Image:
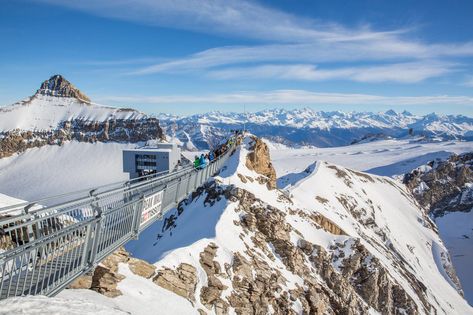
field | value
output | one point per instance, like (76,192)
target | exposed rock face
(181,281)
(83,282)
(210,295)
(257,287)
(327,225)
(57,85)
(118,130)
(444,186)
(105,278)
(361,276)
(259,161)
(141,268)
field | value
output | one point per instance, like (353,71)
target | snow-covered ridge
(59,112)
(44,112)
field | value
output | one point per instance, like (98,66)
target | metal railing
(44,250)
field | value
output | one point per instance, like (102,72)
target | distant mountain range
(322,129)
(59,112)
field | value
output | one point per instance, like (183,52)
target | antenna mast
(174,128)
(244,118)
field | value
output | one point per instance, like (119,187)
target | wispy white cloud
(235,17)
(308,53)
(281,97)
(401,72)
(121,62)
(284,38)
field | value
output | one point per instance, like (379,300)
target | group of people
(205,159)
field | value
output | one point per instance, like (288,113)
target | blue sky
(183,56)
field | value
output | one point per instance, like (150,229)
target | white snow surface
(456,229)
(52,170)
(40,305)
(42,112)
(9,201)
(383,157)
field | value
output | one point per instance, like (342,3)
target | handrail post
(176,199)
(137,217)
(188,184)
(97,234)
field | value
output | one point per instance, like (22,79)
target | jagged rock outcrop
(210,295)
(57,85)
(443,186)
(258,160)
(105,277)
(181,281)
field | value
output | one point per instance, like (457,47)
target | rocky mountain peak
(259,160)
(58,86)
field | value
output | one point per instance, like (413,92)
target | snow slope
(383,157)
(53,170)
(39,305)
(9,201)
(41,112)
(399,226)
(380,215)
(456,230)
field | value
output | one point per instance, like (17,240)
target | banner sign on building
(151,206)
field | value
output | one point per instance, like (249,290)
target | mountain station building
(164,157)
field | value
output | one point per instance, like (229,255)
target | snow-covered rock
(338,241)
(59,112)
(443,187)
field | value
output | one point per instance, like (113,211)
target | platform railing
(44,250)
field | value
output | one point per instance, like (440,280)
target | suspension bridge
(42,251)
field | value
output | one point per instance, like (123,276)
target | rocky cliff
(259,160)
(59,112)
(443,185)
(340,242)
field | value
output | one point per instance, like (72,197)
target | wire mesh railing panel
(44,265)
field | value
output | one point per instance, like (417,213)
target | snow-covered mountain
(337,241)
(326,129)
(444,187)
(59,112)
